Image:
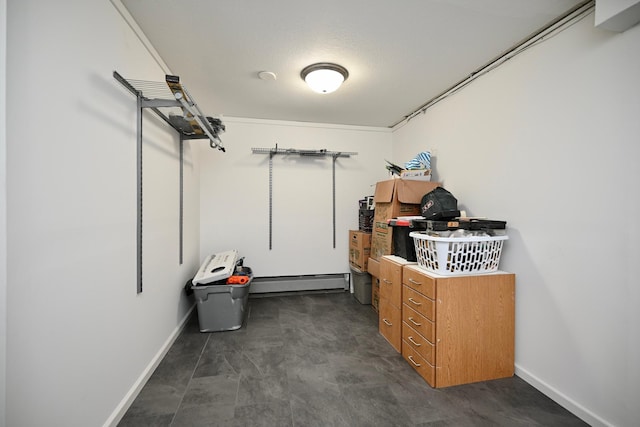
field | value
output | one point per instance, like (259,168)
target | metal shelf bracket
(308,153)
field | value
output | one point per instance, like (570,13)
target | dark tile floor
(318,360)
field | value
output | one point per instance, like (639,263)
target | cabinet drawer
(415,279)
(391,291)
(391,281)
(419,302)
(389,324)
(419,343)
(419,323)
(417,362)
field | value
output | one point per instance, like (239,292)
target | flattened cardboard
(374,271)
(375,293)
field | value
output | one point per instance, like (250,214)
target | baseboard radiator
(311,282)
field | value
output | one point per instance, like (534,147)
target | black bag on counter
(439,204)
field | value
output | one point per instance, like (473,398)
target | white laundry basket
(455,256)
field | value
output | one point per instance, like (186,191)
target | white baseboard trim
(563,400)
(312,282)
(128,399)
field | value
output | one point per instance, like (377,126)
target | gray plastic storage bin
(361,285)
(221,307)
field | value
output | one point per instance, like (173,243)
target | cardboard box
(394,198)
(416,174)
(374,271)
(359,249)
(375,293)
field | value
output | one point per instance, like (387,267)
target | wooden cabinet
(390,303)
(458,330)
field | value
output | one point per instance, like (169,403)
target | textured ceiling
(399,53)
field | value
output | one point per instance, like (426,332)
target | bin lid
(216,267)
(355,269)
(403,221)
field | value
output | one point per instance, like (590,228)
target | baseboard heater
(311,282)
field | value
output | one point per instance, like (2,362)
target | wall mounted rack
(171,101)
(308,153)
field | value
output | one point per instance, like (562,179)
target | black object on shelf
(403,245)
(458,224)
(365,220)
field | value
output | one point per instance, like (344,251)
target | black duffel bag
(439,204)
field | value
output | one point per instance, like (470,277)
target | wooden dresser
(457,330)
(390,303)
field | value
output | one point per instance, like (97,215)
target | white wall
(617,15)
(234,204)
(549,142)
(3,215)
(79,337)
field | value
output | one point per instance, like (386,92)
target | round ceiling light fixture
(324,77)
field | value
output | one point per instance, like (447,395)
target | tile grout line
(289,399)
(245,324)
(190,379)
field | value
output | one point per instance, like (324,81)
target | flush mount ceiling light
(324,77)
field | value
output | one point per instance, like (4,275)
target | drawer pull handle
(414,362)
(414,343)
(387,322)
(414,301)
(414,282)
(387,281)
(414,322)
